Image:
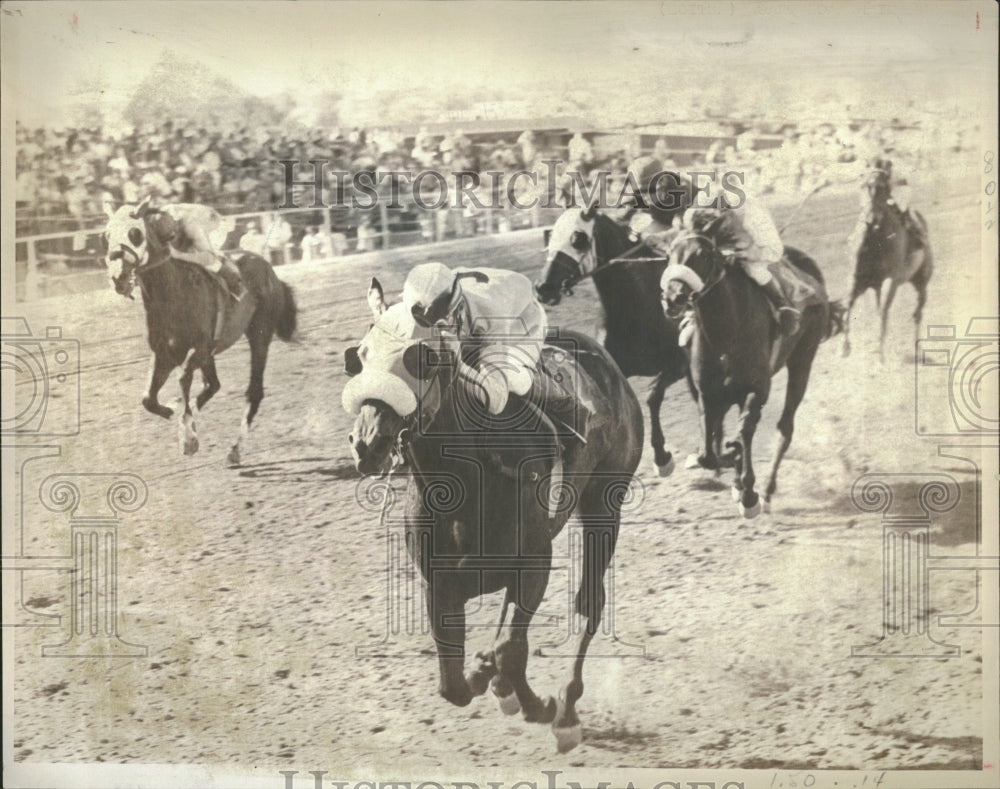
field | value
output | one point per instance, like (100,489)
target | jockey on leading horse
(494,311)
(187,229)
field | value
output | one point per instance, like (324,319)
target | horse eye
(135,236)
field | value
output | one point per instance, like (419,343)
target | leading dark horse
(737,347)
(482,509)
(888,251)
(190,318)
(638,336)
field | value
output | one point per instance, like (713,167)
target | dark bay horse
(737,347)
(639,337)
(190,317)
(474,527)
(888,251)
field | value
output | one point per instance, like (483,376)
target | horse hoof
(691,461)
(736,493)
(766,507)
(191,445)
(233,458)
(749,513)
(509,705)
(845,351)
(567,737)
(667,468)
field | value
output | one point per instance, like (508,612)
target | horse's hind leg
(920,281)
(749,501)
(600,535)
(188,433)
(160,371)
(664,460)
(259,343)
(799,366)
(211,380)
(886,304)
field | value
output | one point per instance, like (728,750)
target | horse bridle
(580,275)
(404,436)
(723,273)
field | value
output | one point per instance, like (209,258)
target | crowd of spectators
(65,177)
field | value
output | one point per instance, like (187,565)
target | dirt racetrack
(253,587)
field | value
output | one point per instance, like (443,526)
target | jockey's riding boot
(789,318)
(234,282)
(571,416)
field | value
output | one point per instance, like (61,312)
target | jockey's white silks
(684,274)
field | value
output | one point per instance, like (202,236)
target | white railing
(435,226)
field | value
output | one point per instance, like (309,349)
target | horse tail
(287,314)
(835,314)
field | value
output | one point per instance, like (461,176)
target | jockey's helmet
(643,170)
(427,292)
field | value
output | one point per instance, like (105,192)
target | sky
(53,50)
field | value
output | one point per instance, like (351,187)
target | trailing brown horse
(737,347)
(190,317)
(888,251)
(639,337)
(483,504)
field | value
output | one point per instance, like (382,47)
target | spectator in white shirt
(253,240)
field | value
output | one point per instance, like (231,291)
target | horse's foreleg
(846,348)
(211,380)
(512,648)
(664,460)
(255,391)
(600,535)
(886,304)
(188,433)
(160,369)
(711,426)
(749,501)
(447,615)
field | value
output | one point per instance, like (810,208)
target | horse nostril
(350,438)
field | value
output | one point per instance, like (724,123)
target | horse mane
(607,228)
(708,222)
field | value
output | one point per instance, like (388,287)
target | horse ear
(376,298)
(352,361)
(142,209)
(588,213)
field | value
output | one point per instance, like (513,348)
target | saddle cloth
(801,289)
